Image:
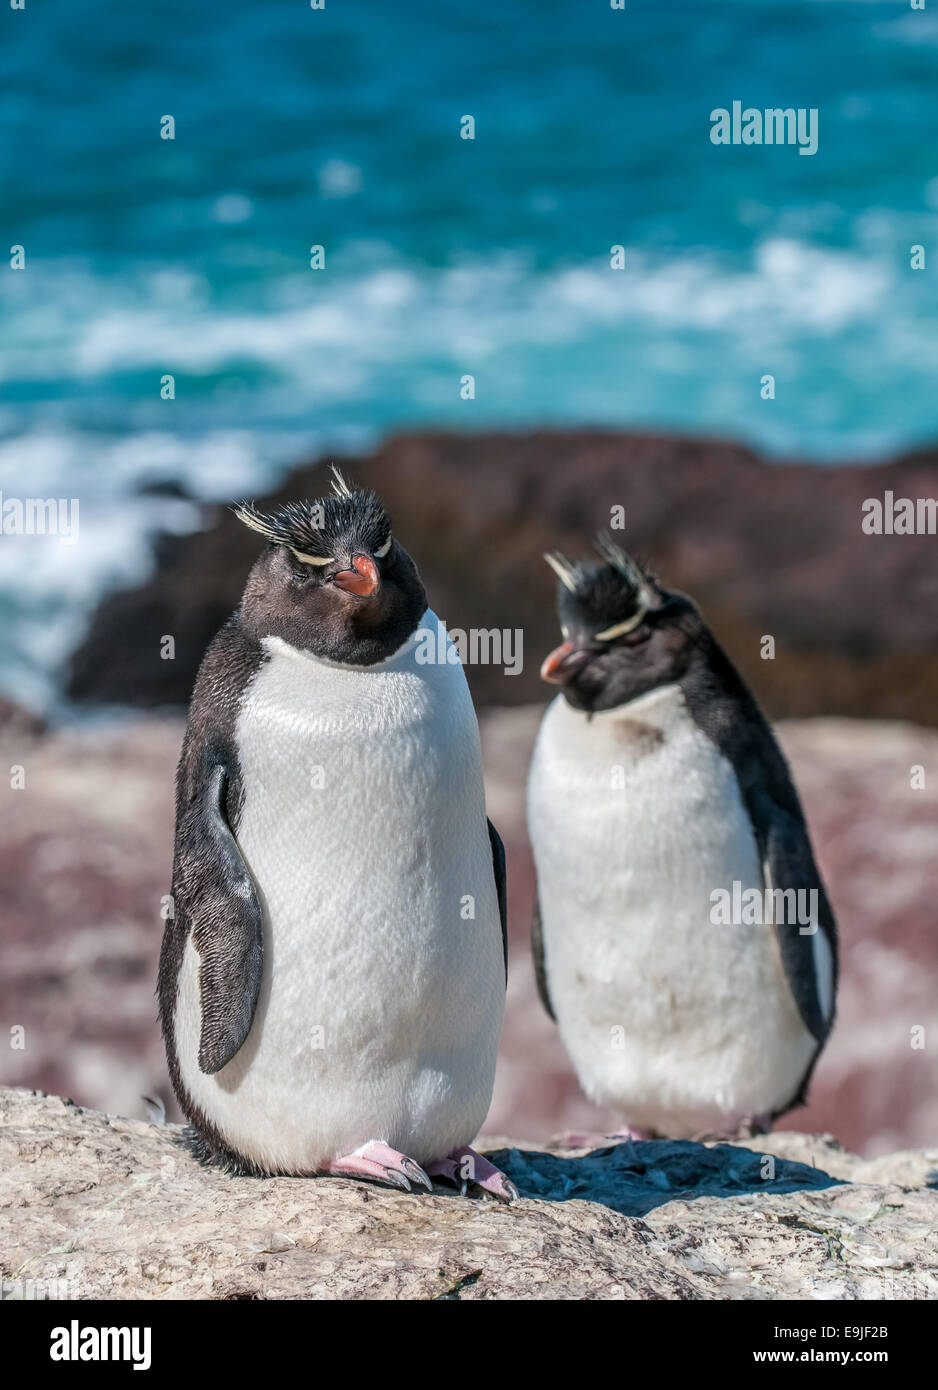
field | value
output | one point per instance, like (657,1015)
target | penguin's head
(333,580)
(623,634)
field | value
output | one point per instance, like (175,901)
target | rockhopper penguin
(332,981)
(657,794)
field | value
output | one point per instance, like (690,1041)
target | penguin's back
(363,826)
(636,818)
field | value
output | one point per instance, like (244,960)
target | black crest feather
(608,590)
(344,520)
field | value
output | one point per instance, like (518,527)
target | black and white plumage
(656,783)
(328,1002)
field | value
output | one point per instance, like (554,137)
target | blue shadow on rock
(634,1177)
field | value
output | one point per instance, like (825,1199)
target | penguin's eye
(383,549)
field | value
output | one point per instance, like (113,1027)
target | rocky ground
(85,852)
(118,1208)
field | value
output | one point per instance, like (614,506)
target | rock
(85,858)
(85,855)
(17,722)
(766,548)
(120,1209)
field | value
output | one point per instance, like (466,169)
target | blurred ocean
(444,257)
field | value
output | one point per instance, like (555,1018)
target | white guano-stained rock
(118,1208)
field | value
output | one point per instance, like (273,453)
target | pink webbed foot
(378,1162)
(464,1166)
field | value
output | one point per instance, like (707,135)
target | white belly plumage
(635,818)
(363,825)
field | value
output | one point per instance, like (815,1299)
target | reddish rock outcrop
(766,548)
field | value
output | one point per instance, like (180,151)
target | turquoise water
(444,257)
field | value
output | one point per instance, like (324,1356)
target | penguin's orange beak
(563,663)
(362,579)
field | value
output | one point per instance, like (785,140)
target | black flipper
(214,897)
(501,885)
(789,864)
(217,902)
(727,712)
(540,967)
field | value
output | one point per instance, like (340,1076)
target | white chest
(363,825)
(636,818)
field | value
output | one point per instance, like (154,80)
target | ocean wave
(378,339)
(50,584)
(344,321)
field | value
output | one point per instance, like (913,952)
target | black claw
(395,1179)
(416,1174)
(509,1194)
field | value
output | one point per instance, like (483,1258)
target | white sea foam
(330,330)
(49,589)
